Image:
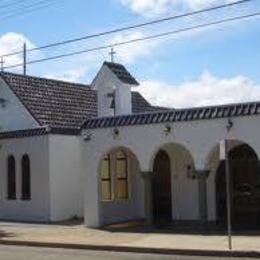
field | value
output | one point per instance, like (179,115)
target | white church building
(103,153)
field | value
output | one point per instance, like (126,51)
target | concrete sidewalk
(129,239)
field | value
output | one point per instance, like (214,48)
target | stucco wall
(131,208)
(198,137)
(36,209)
(13,115)
(66,186)
(184,204)
(107,83)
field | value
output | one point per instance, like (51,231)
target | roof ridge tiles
(178,115)
(4,73)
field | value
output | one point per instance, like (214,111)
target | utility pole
(2,63)
(224,156)
(24,58)
(229,222)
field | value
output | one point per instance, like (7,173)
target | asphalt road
(32,253)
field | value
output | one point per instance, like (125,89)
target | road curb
(141,250)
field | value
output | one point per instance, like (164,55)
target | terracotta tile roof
(58,103)
(177,115)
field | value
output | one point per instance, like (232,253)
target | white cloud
(129,53)
(13,42)
(158,7)
(207,90)
(71,75)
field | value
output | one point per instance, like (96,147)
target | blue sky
(222,55)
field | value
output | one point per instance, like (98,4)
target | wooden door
(162,197)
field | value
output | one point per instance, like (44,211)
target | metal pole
(2,63)
(24,58)
(228,191)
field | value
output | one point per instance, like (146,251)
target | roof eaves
(180,115)
(39,132)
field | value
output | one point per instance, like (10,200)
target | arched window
(26,178)
(11,178)
(106,178)
(121,176)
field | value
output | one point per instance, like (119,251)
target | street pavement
(33,253)
(140,236)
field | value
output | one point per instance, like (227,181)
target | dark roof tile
(121,73)
(62,104)
(179,115)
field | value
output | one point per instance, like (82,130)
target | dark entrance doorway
(245,188)
(162,198)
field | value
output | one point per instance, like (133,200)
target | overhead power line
(151,37)
(25,10)
(13,3)
(23,6)
(135,26)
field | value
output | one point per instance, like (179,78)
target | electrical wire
(135,26)
(26,9)
(151,37)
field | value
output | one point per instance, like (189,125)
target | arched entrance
(162,198)
(245,188)
(121,187)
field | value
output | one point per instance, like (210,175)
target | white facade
(65,169)
(188,143)
(56,181)
(66,185)
(38,208)
(111,90)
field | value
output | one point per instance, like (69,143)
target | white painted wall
(106,83)
(36,209)
(184,204)
(14,115)
(132,208)
(123,99)
(198,137)
(66,185)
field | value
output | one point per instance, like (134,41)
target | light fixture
(115,132)
(48,128)
(167,129)
(229,125)
(86,136)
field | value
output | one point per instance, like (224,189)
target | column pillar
(148,176)
(202,176)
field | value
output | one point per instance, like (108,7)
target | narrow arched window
(106,178)
(11,178)
(26,178)
(121,176)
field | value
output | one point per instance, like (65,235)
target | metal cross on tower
(112,53)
